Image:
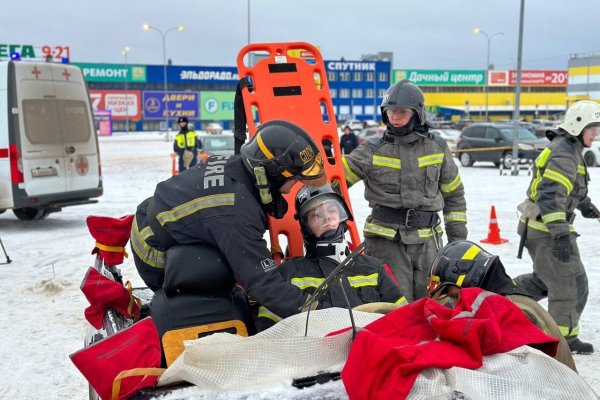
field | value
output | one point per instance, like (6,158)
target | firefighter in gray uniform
(464,264)
(409,177)
(224,203)
(322,214)
(558,187)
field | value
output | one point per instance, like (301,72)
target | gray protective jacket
(559,186)
(415,171)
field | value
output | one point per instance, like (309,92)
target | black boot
(579,347)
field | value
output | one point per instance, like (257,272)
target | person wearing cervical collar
(322,214)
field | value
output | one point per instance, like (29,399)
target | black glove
(591,212)
(562,248)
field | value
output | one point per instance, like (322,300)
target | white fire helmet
(579,116)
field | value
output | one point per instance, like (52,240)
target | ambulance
(49,156)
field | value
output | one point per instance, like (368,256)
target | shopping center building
(205,94)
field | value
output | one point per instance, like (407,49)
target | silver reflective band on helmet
(322,214)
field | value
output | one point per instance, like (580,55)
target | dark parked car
(493,141)
(215,144)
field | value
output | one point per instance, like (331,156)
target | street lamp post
(489,38)
(124,52)
(164,46)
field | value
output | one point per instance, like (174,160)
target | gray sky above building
(422,34)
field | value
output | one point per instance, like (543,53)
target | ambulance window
(41,121)
(75,121)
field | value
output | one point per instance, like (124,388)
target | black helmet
(466,264)
(404,94)
(182,119)
(285,151)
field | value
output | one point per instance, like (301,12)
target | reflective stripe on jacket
(412,171)
(559,185)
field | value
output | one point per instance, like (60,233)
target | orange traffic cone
(493,236)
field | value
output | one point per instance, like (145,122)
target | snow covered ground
(41,312)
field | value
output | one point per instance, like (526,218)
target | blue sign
(192,74)
(179,104)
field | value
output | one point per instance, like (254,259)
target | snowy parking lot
(41,314)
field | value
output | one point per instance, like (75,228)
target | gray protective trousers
(410,263)
(565,284)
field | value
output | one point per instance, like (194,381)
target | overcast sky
(425,34)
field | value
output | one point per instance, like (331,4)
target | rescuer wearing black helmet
(410,176)
(322,214)
(224,203)
(464,264)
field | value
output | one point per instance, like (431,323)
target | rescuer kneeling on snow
(322,214)
(464,264)
(224,204)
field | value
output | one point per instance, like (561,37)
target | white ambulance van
(49,155)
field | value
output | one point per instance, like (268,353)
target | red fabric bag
(111,234)
(104,293)
(388,354)
(118,366)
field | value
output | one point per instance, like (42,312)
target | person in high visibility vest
(186,145)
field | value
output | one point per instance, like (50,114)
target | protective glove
(562,249)
(591,212)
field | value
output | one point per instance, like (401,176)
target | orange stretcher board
(293,89)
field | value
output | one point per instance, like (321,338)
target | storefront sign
(122,104)
(216,106)
(178,104)
(529,78)
(179,74)
(428,77)
(113,72)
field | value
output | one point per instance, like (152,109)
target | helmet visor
(399,112)
(322,214)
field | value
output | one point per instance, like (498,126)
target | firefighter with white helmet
(559,186)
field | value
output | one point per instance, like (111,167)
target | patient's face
(323,218)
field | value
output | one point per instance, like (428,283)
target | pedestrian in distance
(464,264)
(224,204)
(322,214)
(348,141)
(559,186)
(409,177)
(186,145)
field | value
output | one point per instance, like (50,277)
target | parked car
(215,144)
(591,155)
(214,128)
(449,135)
(370,133)
(354,124)
(370,123)
(498,138)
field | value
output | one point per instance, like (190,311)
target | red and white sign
(122,104)
(528,78)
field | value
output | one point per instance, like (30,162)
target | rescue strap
(144,372)
(409,217)
(133,299)
(114,249)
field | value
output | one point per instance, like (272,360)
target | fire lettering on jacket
(214,175)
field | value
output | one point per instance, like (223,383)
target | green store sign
(113,72)
(216,106)
(429,77)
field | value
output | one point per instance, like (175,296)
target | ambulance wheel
(1,211)
(29,213)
